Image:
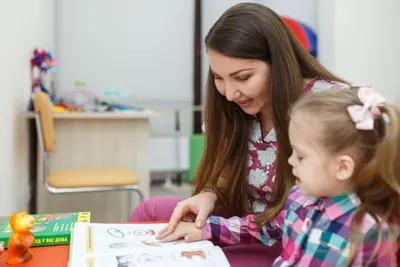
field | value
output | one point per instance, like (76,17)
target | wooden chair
(74,180)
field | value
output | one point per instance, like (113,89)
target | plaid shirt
(313,231)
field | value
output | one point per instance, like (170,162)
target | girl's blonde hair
(376,180)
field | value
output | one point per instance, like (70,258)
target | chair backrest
(42,106)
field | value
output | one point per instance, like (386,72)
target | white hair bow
(364,116)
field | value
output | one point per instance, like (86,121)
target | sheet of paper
(206,257)
(105,237)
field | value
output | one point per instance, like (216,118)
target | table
(51,256)
(108,139)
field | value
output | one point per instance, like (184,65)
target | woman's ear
(345,167)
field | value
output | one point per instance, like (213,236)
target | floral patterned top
(262,156)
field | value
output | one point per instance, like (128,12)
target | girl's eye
(299,158)
(217,78)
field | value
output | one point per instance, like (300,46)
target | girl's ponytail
(387,154)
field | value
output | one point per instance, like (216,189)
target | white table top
(100,115)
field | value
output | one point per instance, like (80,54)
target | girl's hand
(194,209)
(186,230)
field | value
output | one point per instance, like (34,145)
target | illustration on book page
(125,261)
(207,257)
(128,236)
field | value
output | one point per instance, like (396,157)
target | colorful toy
(21,238)
(42,62)
(306,36)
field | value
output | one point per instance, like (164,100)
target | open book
(135,245)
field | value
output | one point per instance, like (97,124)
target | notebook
(135,245)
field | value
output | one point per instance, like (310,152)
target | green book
(50,228)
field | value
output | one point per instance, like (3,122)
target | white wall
(24,25)
(144,47)
(360,41)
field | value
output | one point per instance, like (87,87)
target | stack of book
(50,229)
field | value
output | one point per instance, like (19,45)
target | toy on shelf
(118,100)
(21,238)
(42,63)
(79,99)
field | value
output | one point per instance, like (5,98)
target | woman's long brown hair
(252,31)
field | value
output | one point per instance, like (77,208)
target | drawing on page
(144,232)
(125,261)
(191,254)
(115,232)
(148,258)
(151,243)
(179,242)
(118,245)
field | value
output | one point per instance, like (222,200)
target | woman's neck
(265,119)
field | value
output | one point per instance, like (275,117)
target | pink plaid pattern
(314,232)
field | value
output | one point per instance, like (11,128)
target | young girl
(344,209)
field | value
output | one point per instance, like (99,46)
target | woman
(257,70)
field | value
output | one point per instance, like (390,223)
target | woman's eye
(242,78)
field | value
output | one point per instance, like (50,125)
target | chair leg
(141,196)
(130,200)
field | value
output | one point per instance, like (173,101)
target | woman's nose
(231,93)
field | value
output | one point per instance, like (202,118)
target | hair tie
(365,115)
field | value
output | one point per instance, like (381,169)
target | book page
(201,257)
(98,237)
(134,245)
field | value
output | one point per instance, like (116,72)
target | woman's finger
(201,218)
(173,222)
(176,217)
(188,217)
